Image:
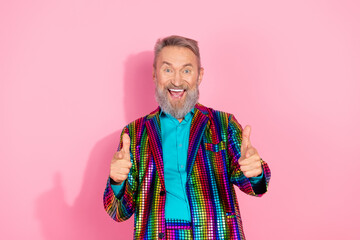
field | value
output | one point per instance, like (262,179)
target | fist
(250,161)
(121,163)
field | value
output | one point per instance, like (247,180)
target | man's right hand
(121,164)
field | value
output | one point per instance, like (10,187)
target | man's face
(177,78)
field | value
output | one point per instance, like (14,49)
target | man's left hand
(250,161)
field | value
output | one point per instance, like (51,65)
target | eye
(167,70)
(187,71)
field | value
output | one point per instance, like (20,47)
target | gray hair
(177,41)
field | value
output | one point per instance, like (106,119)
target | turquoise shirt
(175,143)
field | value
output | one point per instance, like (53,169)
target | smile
(177,93)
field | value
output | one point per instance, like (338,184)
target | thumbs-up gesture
(250,163)
(121,164)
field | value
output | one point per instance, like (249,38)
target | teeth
(176,90)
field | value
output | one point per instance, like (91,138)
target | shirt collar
(187,117)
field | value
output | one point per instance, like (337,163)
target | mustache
(172,86)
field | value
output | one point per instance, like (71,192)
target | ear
(154,74)
(201,74)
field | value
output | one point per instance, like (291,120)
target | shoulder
(213,113)
(220,118)
(142,120)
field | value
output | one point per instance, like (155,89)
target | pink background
(74,72)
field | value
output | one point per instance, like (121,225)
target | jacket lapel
(154,133)
(197,129)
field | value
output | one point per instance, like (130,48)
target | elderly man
(176,167)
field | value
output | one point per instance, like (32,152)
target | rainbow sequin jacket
(213,170)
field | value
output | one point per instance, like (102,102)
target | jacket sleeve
(121,206)
(234,152)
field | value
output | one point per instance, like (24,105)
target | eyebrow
(185,65)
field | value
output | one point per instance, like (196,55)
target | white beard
(179,110)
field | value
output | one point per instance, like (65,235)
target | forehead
(177,56)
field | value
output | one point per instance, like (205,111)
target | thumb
(126,143)
(246,138)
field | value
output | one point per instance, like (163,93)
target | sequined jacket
(212,172)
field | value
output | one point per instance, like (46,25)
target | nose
(176,81)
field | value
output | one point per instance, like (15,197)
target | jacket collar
(198,107)
(198,125)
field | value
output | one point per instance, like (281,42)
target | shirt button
(182,166)
(161,235)
(162,193)
(180,145)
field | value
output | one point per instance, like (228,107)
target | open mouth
(176,93)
